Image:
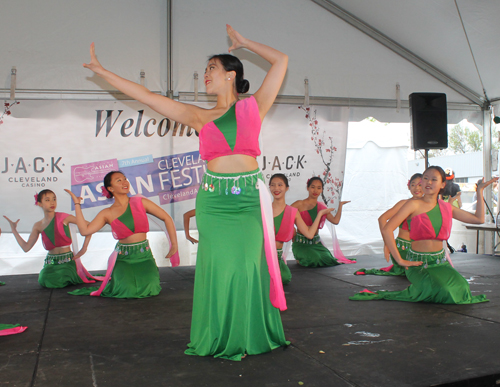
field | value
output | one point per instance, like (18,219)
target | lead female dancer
(62,267)
(432,277)
(309,252)
(285,217)
(403,240)
(132,270)
(232,312)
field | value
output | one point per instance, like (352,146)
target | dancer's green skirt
(135,274)
(403,246)
(435,281)
(311,252)
(59,271)
(232,313)
(286,274)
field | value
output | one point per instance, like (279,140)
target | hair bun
(244,86)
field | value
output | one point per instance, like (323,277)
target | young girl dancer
(432,277)
(61,267)
(132,267)
(309,252)
(232,311)
(285,217)
(403,240)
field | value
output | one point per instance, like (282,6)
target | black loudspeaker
(429,121)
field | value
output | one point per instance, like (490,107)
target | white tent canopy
(48,42)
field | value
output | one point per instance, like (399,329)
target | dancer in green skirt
(403,240)
(234,281)
(310,252)
(62,266)
(132,270)
(432,277)
(285,217)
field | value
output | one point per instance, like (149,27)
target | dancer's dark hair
(42,193)
(312,179)
(279,176)
(107,182)
(416,176)
(232,63)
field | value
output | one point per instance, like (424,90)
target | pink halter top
(133,221)
(56,234)
(217,138)
(434,224)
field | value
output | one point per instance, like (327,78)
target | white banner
(73,144)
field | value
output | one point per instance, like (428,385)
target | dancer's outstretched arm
(310,231)
(478,217)
(178,111)
(87,228)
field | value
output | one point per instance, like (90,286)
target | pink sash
(12,331)
(80,269)
(285,233)
(276,293)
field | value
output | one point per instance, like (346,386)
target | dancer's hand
(482,184)
(408,264)
(172,251)
(237,40)
(342,203)
(76,200)
(94,64)
(191,239)
(387,254)
(13,225)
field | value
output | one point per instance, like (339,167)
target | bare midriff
(427,245)
(279,245)
(404,234)
(61,250)
(233,164)
(134,238)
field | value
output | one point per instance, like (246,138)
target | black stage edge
(86,341)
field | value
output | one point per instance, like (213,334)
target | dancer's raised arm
(178,111)
(478,216)
(336,219)
(87,228)
(271,85)
(25,245)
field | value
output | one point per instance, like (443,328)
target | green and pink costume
(132,270)
(436,280)
(61,270)
(238,290)
(284,227)
(312,252)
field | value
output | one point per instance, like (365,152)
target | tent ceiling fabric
(48,42)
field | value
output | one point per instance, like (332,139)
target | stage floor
(89,341)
